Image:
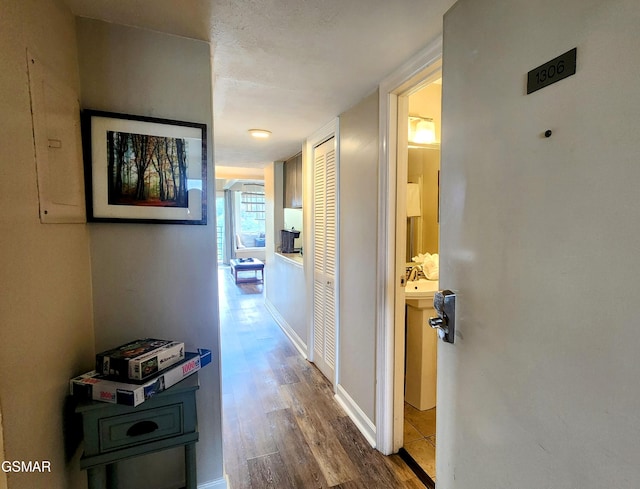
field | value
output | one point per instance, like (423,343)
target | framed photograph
(144,169)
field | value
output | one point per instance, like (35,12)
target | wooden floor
(281,425)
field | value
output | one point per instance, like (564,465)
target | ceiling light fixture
(260,133)
(422,130)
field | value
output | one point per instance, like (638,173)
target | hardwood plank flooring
(282,426)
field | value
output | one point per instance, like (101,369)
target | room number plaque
(552,71)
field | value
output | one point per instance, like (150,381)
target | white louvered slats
(330,326)
(319,213)
(325,214)
(319,225)
(318,317)
(330,214)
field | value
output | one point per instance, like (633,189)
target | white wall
(156,280)
(358,188)
(46,333)
(274,219)
(286,293)
(540,239)
(285,288)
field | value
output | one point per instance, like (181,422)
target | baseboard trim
(222,483)
(287,329)
(364,424)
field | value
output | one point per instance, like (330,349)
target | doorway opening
(418,226)
(422,70)
(240,219)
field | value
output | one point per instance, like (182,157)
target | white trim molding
(406,77)
(356,415)
(287,329)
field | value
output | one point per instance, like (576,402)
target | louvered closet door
(324,258)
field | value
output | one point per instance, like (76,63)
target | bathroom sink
(418,289)
(419,293)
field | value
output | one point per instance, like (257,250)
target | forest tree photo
(146,170)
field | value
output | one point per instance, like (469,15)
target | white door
(324,257)
(540,240)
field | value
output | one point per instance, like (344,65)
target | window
(250,215)
(220,225)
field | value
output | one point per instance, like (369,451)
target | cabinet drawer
(140,427)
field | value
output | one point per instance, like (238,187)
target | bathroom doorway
(419,172)
(420,71)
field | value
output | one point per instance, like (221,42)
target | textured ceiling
(288,66)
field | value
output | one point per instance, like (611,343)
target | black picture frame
(170,155)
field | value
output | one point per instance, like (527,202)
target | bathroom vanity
(421,345)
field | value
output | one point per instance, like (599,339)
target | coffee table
(246,265)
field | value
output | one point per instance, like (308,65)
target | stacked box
(140,359)
(97,387)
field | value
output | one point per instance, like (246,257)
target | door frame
(393,90)
(326,132)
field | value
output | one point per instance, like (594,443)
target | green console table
(113,432)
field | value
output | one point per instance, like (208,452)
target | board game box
(139,359)
(97,387)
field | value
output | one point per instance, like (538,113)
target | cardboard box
(139,359)
(97,387)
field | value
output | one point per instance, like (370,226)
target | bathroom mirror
(423,189)
(423,175)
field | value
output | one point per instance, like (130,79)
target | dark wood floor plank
(281,369)
(234,455)
(302,466)
(321,438)
(282,426)
(354,484)
(316,395)
(311,375)
(365,459)
(268,391)
(254,426)
(270,472)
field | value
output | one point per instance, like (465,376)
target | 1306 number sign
(552,71)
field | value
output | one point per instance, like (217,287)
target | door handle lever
(437,322)
(444,302)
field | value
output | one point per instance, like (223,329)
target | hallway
(282,427)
